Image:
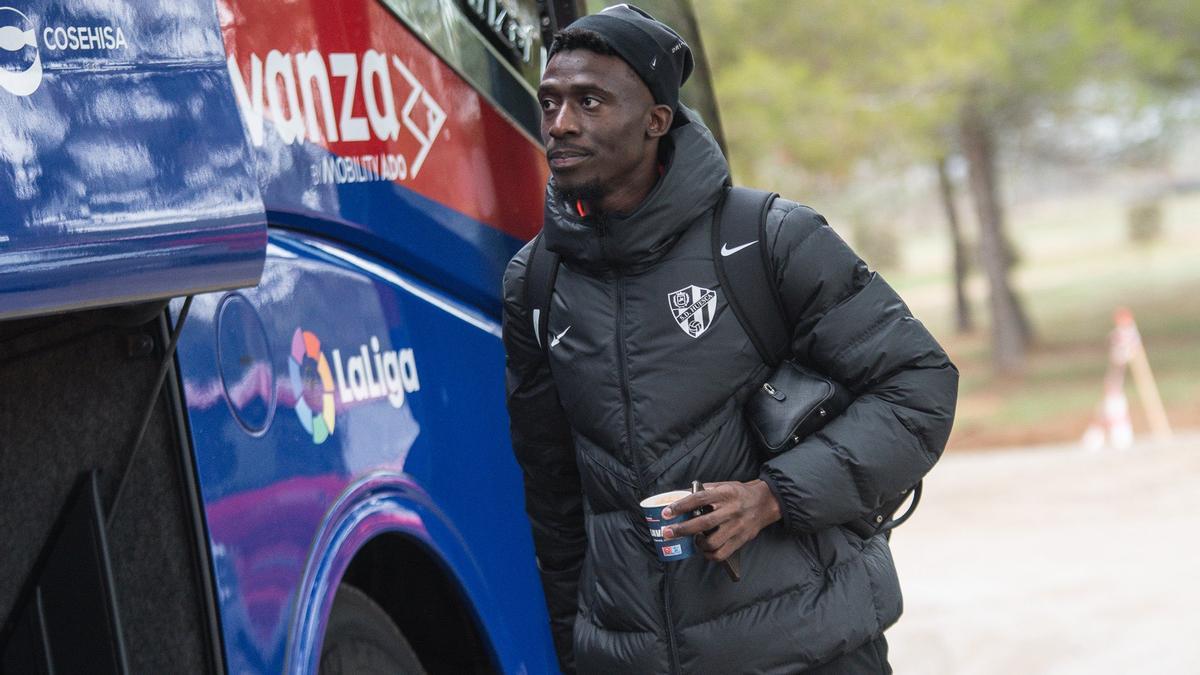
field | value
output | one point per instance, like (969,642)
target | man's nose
(563,122)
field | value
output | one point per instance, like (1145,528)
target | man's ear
(660,121)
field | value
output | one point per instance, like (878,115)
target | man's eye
(589,102)
(547,104)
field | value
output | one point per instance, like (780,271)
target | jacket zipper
(672,648)
(623,373)
(635,459)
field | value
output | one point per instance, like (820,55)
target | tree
(812,92)
(962,307)
(1010,328)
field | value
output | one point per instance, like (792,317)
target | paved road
(1054,560)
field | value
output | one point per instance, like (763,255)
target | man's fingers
(719,537)
(694,526)
(710,543)
(712,494)
(731,523)
(722,552)
(691,503)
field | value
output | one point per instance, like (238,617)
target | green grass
(1077,266)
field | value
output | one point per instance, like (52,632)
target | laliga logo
(389,373)
(17,33)
(305,359)
(372,374)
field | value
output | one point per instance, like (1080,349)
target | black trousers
(869,659)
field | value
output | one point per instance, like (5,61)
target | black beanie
(655,52)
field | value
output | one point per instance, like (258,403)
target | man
(625,401)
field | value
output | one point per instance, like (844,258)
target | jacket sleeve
(849,324)
(541,440)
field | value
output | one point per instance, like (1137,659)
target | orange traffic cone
(1112,425)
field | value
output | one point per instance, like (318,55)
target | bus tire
(361,638)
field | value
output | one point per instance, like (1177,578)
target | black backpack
(751,292)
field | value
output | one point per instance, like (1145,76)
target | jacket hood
(695,174)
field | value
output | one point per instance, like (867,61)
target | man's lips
(562,158)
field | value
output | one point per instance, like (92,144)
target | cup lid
(664,498)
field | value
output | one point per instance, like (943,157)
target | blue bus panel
(125,174)
(336,401)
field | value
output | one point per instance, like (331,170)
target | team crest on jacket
(693,308)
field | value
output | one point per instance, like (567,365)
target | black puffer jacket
(647,407)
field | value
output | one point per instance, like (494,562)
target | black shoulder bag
(796,400)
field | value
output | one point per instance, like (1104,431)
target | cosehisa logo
(19,37)
(372,374)
(21,58)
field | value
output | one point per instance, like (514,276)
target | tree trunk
(1011,331)
(962,307)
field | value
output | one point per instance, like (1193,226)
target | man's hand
(740,511)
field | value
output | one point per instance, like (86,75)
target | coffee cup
(668,550)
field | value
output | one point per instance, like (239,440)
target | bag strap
(753,295)
(540,272)
(748,277)
(912,506)
(883,519)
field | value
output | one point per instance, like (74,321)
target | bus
(252,404)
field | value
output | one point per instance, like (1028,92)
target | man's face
(597,123)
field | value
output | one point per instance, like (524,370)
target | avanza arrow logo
(282,87)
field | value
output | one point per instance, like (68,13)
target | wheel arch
(421,596)
(381,529)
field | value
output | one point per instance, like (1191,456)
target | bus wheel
(361,638)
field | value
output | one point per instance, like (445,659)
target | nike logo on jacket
(726,251)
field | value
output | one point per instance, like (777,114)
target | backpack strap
(751,291)
(540,272)
(748,276)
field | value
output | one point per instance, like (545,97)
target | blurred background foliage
(1018,169)
(826,84)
